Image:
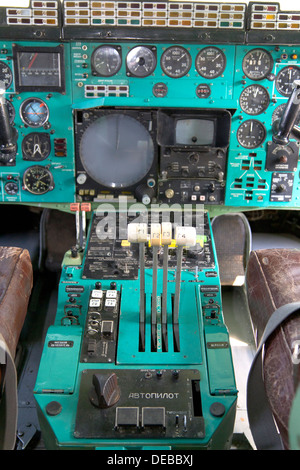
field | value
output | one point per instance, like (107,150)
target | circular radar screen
(257,64)
(106,61)
(285,78)
(116,151)
(251,134)
(176,61)
(254,99)
(210,62)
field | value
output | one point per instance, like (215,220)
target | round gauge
(141,61)
(160,90)
(210,62)
(254,99)
(116,150)
(11,188)
(34,112)
(176,61)
(5,74)
(257,64)
(38,180)
(11,111)
(106,60)
(203,90)
(36,146)
(251,134)
(285,79)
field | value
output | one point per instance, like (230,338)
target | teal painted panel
(59,362)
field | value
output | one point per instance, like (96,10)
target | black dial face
(106,61)
(257,64)
(141,61)
(210,62)
(38,180)
(176,61)
(34,112)
(160,90)
(11,188)
(285,79)
(36,146)
(5,74)
(251,134)
(254,99)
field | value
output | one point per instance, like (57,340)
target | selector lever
(283,153)
(8,134)
(289,117)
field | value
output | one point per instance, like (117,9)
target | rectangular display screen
(195,132)
(39,69)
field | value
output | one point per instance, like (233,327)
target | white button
(110,303)
(111,294)
(95,303)
(97,294)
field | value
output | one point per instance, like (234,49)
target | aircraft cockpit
(150,235)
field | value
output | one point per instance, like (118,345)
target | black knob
(105,391)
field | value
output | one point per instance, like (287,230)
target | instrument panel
(85,112)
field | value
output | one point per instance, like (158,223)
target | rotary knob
(105,391)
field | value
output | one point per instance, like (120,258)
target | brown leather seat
(15,288)
(16,279)
(273,280)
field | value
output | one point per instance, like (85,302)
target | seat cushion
(273,280)
(16,278)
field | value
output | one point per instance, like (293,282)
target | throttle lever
(289,117)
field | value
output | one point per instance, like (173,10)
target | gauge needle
(36,149)
(32,60)
(216,57)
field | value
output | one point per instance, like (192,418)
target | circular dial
(34,112)
(106,61)
(257,64)
(36,146)
(5,74)
(176,61)
(251,134)
(38,180)
(116,150)
(11,188)
(210,62)
(254,99)
(141,61)
(160,90)
(285,79)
